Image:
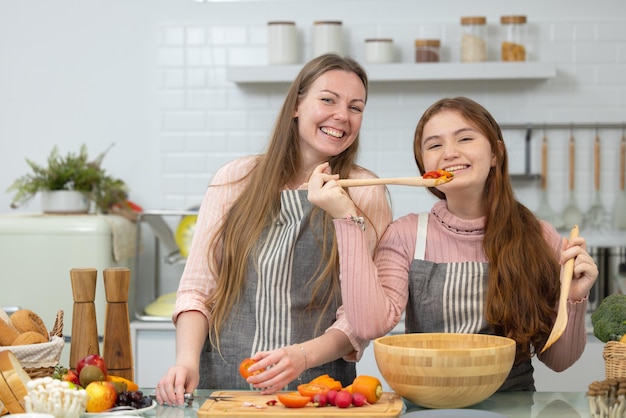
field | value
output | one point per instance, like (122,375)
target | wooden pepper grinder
(84,340)
(117,350)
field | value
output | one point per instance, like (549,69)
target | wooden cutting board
(389,405)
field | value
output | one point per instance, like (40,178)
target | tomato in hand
(245,365)
(293,399)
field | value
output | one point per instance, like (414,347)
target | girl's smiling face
(329,115)
(451,143)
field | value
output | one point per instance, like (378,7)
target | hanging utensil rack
(529,127)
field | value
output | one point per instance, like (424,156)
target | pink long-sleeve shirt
(376,292)
(197,281)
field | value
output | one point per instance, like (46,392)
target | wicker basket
(614,359)
(39,360)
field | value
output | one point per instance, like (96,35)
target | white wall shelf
(407,72)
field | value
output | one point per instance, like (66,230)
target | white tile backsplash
(165,66)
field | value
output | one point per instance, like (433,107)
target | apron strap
(420,239)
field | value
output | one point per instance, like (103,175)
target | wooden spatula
(561,316)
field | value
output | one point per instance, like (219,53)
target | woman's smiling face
(330,114)
(451,143)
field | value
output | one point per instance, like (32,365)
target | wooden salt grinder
(84,326)
(117,350)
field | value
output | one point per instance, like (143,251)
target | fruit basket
(38,360)
(614,359)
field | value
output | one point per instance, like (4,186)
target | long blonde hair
(522,287)
(233,244)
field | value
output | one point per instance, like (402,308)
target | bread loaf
(25,320)
(13,382)
(29,337)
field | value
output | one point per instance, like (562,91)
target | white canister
(282,42)
(379,51)
(327,37)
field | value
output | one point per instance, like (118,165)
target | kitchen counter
(511,404)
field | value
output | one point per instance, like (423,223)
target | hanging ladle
(572,215)
(597,214)
(544,211)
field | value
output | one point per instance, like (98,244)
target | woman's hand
(325,193)
(585,269)
(175,383)
(280,367)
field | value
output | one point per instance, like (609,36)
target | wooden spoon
(400,181)
(566,279)
(619,211)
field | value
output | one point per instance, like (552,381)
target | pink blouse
(197,281)
(378,290)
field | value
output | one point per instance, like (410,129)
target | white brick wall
(151,76)
(225,120)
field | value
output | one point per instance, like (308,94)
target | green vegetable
(609,320)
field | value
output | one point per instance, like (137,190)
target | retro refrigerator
(38,251)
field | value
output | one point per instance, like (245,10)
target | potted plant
(70,174)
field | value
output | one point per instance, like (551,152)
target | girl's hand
(280,367)
(585,269)
(325,193)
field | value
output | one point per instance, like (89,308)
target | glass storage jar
(427,50)
(513,46)
(282,42)
(474,39)
(379,51)
(327,37)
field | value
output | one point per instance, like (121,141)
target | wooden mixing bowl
(444,370)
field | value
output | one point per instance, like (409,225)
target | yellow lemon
(184,233)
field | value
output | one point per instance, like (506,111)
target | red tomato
(436,174)
(312,389)
(293,399)
(243,368)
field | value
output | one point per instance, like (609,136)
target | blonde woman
(262,277)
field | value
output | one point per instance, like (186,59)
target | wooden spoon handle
(622,162)
(596,163)
(401,181)
(572,157)
(544,163)
(568,271)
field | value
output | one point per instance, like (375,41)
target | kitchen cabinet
(407,72)
(154,350)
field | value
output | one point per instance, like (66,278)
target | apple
(72,377)
(92,360)
(101,396)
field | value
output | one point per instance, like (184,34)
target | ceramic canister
(327,37)
(282,42)
(379,51)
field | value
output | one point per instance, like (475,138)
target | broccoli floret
(609,320)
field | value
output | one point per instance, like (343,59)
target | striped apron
(450,297)
(273,310)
